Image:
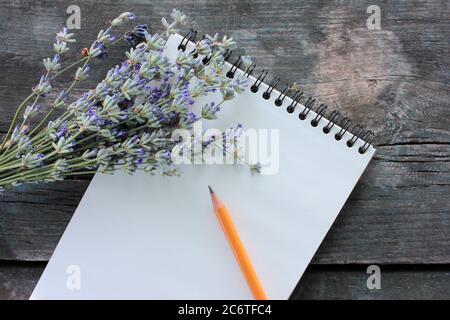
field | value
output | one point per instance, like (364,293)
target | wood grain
(350,282)
(396,80)
(398,215)
(17,281)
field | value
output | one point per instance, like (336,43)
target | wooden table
(396,80)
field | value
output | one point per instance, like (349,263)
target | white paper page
(151,237)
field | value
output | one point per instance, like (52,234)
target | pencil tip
(210,189)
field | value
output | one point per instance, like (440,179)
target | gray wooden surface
(396,80)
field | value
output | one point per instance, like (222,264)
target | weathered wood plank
(17,281)
(397,214)
(398,283)
(395,79)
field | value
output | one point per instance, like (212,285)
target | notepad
(153,237)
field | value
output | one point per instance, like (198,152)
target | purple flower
(121,133)
(62,131)
(153,94)
(209,140)
(38,156)
(166,154)
(84,96)
(43,87)
(140,152)
(183,97)
(119,70)
(163,156)
(133,140)
(210,110)
(56,58)
(137,35)
(189,118)
(125,104)
(127,120)
(92,115)
(101,46)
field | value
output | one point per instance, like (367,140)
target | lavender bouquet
(124,123)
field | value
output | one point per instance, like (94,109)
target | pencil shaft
(238,249)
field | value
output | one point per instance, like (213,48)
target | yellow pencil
(238,248)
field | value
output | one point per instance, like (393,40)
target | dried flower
(31,111)
(82,73)
(43,87)
(178,16)
(52,65)
(126,121)
(64,36)
(246,61)
(122,19)
(98,49)
(137,35)
(209,111)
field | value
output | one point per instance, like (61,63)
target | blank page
(152,237)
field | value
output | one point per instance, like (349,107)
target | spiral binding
(357,131)
(345,125)
(320,112)
(189,37)
(234,67)
(283,94)
(368,139)
(248,72)
(255,87)
(298,96)
(272,84)
(334,118)
(308,106)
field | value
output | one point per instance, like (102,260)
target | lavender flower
(246,61)
(60,165)
(169,28)
(188,119)
(43,87)
(227,44)
(60,47)
(23,146)
(82,73)
(30,160)
(178,17)
(105,37)
(132,87)
(126,121)
(98,49)
(64,36)
(63,146)
(137,35)
(153,42)
(210,110)
(122,19)
(52,65)
(203,47)
(31,111)
(60,99)
(163,156)
(135,56)
(89,154)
